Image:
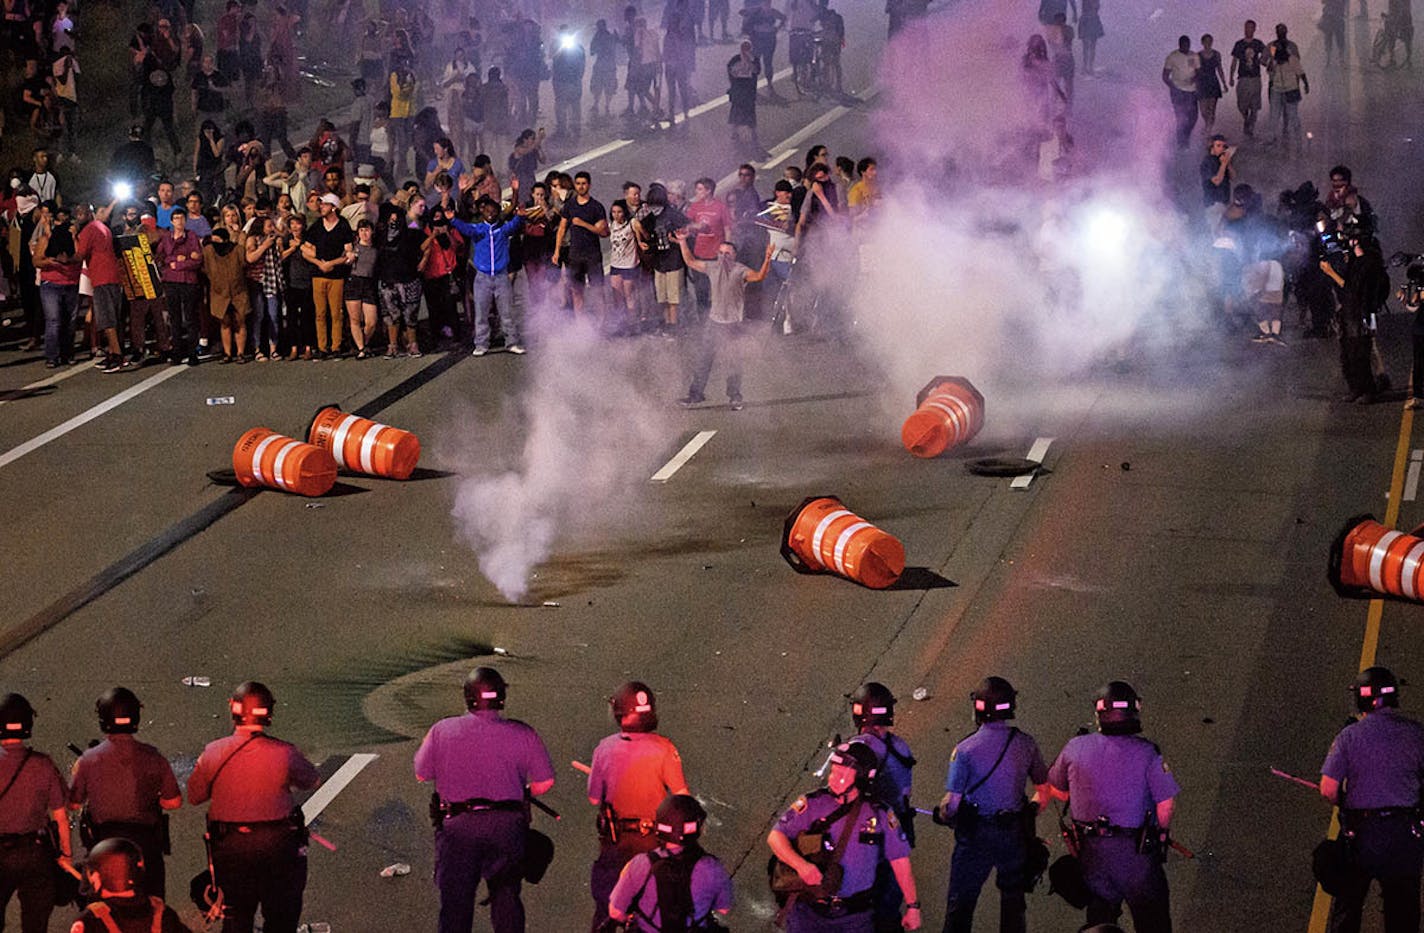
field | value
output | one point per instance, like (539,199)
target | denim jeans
(60,303)
(268,308)
(183,299)
(726,339)
(495,290)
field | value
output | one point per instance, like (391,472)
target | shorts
(667,286)
(107,299)
(400,302)
(628,275)
(584,271)
(360,288)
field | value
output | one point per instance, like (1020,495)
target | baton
(580,766)
(322,841)
(1187,853)
(536,802)
(1294,780)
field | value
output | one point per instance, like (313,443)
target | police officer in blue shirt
(872,708)
(1372,773)
(677,886)
(483,766)
(984,802)
(1120,795)
(844,806)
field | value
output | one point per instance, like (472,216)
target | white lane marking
(1411,479)
(335,784)
(680,459)
(1036,453)
(49,381)
(84,417)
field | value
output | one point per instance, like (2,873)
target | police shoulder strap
(213,781)
(16,776)
(1013,731)
(908,761)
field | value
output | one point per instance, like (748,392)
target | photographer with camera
(1356,266)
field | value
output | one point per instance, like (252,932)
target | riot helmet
(635,709)
(252,704)
(17,717)
(872,705)
(1375,688)
(1119,709)
(994,699)
(861,759)
(118,710)
(485,689)
(118,862)
(679,819)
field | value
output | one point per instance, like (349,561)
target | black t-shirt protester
(1248,54)
(329,245)
(584,245)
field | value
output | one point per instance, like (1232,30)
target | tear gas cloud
(585,420)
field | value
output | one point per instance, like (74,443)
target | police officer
(256,833)
(116,870)
(1372,773)
(844,806)
(872,709)
(31,797)
(984,802)
(483,766)
(677,886)
(1120,795)
(633,770)
(126,785)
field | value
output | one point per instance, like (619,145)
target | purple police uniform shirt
(1378,761)
(1121,777)
(634,771)
(875,828)
(256,785)
(711,889)
(37,792)
(122,780)
(482,754)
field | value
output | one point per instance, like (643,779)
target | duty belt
(633,824)
(220,828)
(480,805)
(833,907)
(1088,830)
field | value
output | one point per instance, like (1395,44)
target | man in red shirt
(95,248)
(712,223)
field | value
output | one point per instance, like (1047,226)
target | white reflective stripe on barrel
(844,540)
(1409,568)
(820,533)
(964,407)
(941,405)
(257,453)
(368,446)
(338,438)
(1377,554)
(281,458)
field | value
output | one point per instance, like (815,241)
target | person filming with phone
(1217,175)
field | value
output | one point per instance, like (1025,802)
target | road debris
(920,693)
(197,681)
(397,870)
(222,400)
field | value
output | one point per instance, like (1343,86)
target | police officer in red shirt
(256,833)
(633,771)
(126,785)
(31,796)
(484,767)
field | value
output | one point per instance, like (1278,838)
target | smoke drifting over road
(585,419)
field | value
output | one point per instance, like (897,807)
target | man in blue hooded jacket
(489,254)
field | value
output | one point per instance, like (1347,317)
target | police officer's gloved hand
(939,816)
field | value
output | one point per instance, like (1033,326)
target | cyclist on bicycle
(833,36)
(801,20)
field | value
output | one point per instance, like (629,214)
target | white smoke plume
(588,428)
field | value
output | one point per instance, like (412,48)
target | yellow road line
(1320,910)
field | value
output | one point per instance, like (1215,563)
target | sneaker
(51,364)
(1414,404)
(414,352)
(736,404)
(517,349)
(479,351)
(193,359)
(361,354)
(691,401)
(111,366)
(207,351)
(390,353)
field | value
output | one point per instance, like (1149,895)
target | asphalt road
(1178,542)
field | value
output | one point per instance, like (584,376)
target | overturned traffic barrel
(823,536)
(949,412)
(1368,561)
(364,446)
(262,457)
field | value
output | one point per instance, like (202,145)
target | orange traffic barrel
(263,457)
(949,412)
(363,446)
(823,536)
(1368,560)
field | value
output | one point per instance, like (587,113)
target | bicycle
(794,303)
(1384,44)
